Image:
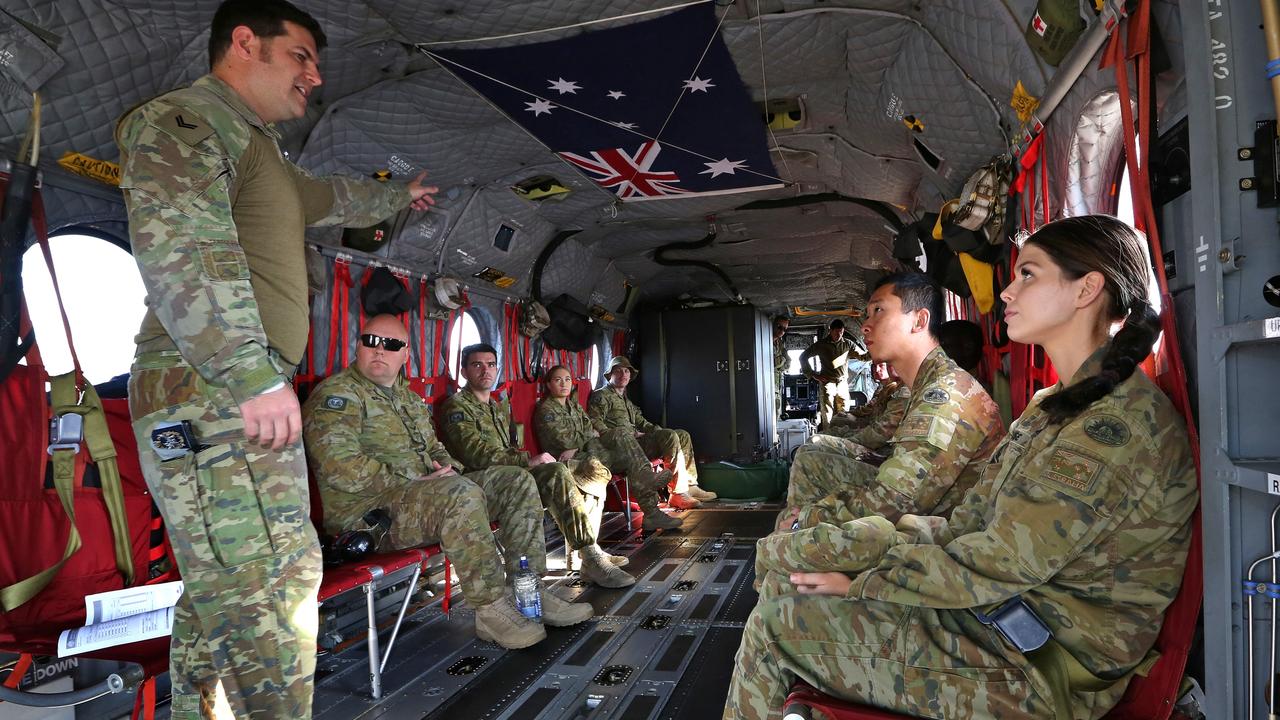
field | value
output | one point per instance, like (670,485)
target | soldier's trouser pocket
(229,503)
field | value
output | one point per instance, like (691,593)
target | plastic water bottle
(528,599)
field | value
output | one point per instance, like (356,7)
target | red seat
(1149,697)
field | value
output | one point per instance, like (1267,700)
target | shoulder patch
(935,396)
(185,125)
(548,417)
(1073,469)
(1108,430)
(916,426)
(456,417)
(335,402)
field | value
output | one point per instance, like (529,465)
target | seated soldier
(872,429)
(565,431)
(1081,521)
(370,442)
(478,429)
(609,408)
(949,427)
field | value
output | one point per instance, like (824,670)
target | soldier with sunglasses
(371,444)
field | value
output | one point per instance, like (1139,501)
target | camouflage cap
(622,361)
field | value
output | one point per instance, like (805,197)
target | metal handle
(113,684)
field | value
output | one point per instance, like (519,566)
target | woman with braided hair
(1043,593)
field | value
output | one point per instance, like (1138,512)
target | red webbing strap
(510,338)
(20,669)
(422,326)
(448,585)
(339,305)
(1150,696)
(42,236)
(144,703)
(437,347)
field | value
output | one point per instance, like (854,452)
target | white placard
(1273,483)
(1271,327)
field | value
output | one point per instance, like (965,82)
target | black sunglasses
(391,344)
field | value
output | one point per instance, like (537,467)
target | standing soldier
(372,447)
(609,408)
(780,361)
(216,217)
(565,431)
(832,373)
(1043,594)
(478,430)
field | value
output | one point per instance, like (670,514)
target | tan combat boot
(683,501)
(655,519)
(559,613)
(500,622)
(597,568)
(701,495)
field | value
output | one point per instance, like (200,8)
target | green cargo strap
(98,439)
(1066,675)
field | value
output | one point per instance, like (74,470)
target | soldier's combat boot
(558,612)
(500,622)
(700,494)
(683,501)
(655,519)
(596,568)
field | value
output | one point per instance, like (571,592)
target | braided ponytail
(1104,244)
(1130,346)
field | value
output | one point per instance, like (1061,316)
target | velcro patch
(334,402)
(1108,430)
(184,124)
(1073,469)
(549,417)
(935,396)
(915,426)
(456,417)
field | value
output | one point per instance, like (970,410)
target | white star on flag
(624,125)
(539,107)
(723,167)
(563,86)
(697,84)
(616,94)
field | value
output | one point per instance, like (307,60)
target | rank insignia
(334,402)
(936,396)
(1108,430)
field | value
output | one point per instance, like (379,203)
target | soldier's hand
(272,419)
(440,471)
(823,583)
(788,519)
(423,195)
(540,459)
(567,455)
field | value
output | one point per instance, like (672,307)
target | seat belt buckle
(1017,623)
(66,432)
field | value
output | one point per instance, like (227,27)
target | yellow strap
(943,214)
(98,438)
(1066,675)
(981,279)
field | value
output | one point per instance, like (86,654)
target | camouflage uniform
(856,436)
(609,409)
(1088,522)
(780,363)
(562,426)
(833,360)
(216,218)
(951,426)
(370,447)
(481,436)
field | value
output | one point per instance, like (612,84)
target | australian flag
(639,109)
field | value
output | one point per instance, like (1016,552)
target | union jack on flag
(628,175)
(669,121)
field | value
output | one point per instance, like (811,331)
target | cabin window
(593,371)
(104,299)
(462,333)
